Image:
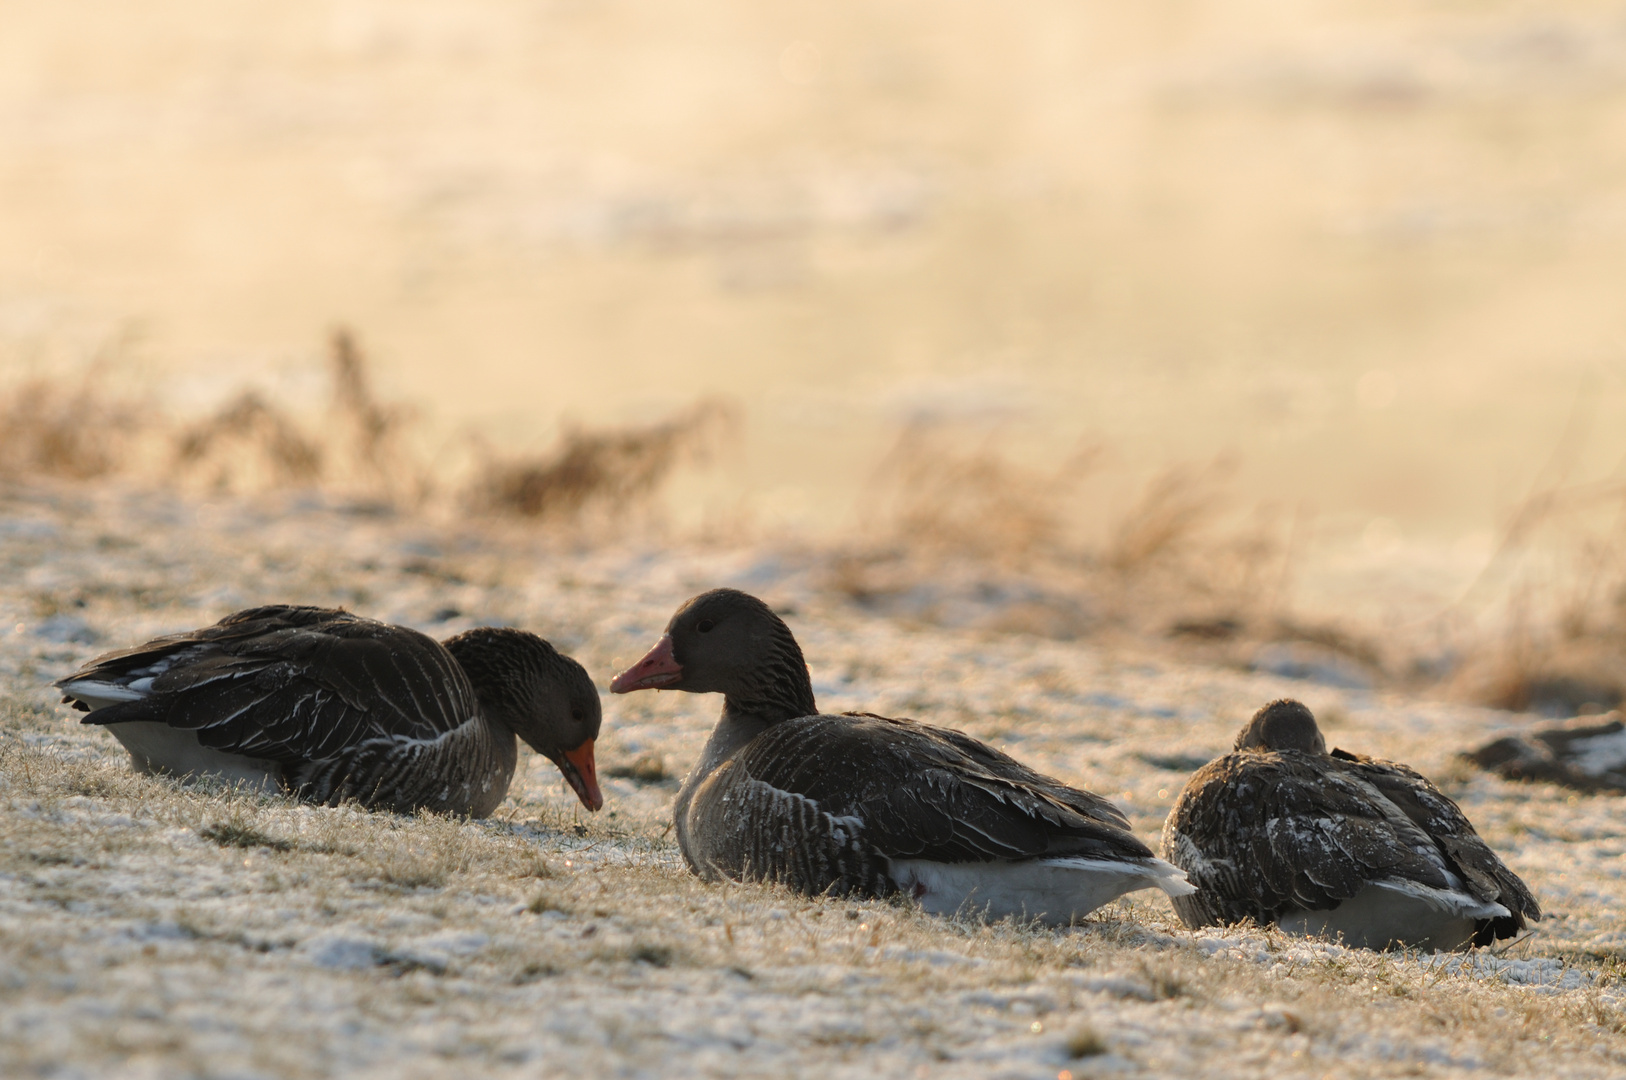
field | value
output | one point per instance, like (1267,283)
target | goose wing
(920,792)
(1259,833)
(282,683)
(1435,814)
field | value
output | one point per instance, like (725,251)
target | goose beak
(580,773)
(659,668)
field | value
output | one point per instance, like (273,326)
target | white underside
(159,748)
(1403,913)
(1053,891)
(98,694)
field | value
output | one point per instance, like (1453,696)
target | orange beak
(581,774)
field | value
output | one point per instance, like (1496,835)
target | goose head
(727,642)
(1282,725)
(541,695)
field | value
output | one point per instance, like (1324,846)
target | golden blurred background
(1370,253)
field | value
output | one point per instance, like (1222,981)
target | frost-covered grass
(151,928)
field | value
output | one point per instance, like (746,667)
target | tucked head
(543,696)
(1282,725)
(727,642)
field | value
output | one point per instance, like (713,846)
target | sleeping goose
(869,806)
(331,706)
(1335,845)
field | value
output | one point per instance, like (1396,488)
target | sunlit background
(1364,259)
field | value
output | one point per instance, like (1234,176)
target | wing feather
(290,684)
(926,793)
(1261,832)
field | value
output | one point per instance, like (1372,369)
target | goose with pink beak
(864,805)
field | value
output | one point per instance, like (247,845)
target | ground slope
(151,929)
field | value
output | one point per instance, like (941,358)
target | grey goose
(331,707)
(866,805)
(1335,844)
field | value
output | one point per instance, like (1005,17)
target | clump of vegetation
(607,471)
(645,769)
(1555,590)
(253,444)
(943,497)
(237,833)
(1169,515)
(362,447)
(1084,1041)
(959,524)
(74,429)
(249,444)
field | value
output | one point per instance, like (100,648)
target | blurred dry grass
(958,531)
(1035,541)
(604,471)
(1557,586)
(362,449)
(941,496)
(70,428)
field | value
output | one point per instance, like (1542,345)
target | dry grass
(362,449)
(359,450)
(70,428)
(248,445)
(1168,518)
(604,472)
(939,496)
(962,534)
(422,916)
(208,931)
(1554,597)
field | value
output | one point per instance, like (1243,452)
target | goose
(866,805)
(330,706)
(1335,845)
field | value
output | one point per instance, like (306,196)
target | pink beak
(659,668)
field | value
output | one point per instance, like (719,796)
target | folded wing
(283,684)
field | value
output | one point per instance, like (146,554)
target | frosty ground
(154,929)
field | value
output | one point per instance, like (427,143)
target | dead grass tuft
(1167,518)
(964,535)
(236,833)
(250,445)
(373,434)
(605,471)
(940,494)
(74,429)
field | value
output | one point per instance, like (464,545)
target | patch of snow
(342,952)
(1311,663)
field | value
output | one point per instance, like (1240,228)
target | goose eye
(704,626)
(576,714)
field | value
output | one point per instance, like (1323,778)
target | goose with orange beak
(331,707)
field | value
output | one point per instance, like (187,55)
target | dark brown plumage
(1283,832)
(331,706)
(868,805)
